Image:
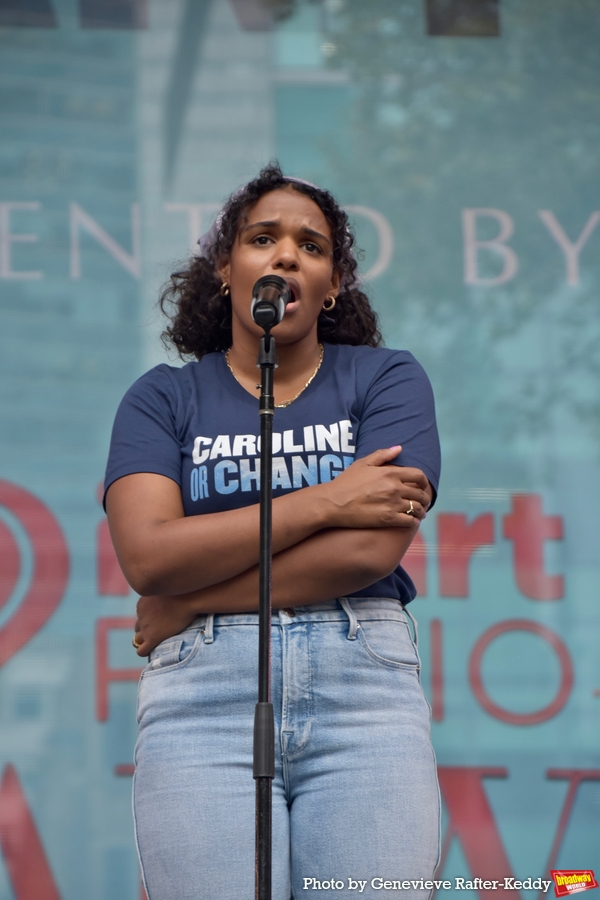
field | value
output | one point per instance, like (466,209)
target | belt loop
(415,627)
(354,626)
(208,629)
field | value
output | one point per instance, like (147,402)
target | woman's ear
(223,270)
(336,279)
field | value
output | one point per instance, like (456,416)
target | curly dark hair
(200,317)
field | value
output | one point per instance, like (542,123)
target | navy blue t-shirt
(198,426)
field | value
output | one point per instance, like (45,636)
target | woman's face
(285,233)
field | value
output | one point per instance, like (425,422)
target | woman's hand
(159,618)
(372,494)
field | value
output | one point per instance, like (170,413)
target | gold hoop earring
(224,289)
(331,304)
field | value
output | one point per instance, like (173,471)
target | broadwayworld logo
(571,881)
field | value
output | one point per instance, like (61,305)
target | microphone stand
(264,728)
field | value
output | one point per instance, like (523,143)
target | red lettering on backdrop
(528,528)
(50,568)
(415,563)
(472,821)
(105,675)
(457,541)
(9,563)
(574,777)
(26,863)
(566,672)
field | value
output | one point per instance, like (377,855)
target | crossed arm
(328,540)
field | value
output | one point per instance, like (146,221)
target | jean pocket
(174,651)
(389,643)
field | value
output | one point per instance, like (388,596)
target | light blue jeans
(355,796)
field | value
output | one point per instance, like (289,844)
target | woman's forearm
(328,565)
(162,551)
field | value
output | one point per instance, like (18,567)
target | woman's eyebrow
(274,223)
(316,234)
(268,224)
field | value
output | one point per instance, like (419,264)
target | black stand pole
(264,729)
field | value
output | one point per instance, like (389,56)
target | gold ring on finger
(135,643)
(411,510)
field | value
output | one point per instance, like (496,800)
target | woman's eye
(312,248)
(261,240)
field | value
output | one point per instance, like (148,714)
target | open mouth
(294,289)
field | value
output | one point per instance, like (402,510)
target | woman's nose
(286,255)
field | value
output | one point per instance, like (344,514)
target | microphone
(270,296)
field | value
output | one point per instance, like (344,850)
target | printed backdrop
(463,137)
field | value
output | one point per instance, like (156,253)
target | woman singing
(356,466)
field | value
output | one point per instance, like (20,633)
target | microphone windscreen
(270,296)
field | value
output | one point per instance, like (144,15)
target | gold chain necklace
(295,397)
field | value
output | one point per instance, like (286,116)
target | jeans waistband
(351,609)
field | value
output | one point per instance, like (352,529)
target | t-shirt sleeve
(144,436)
(398,408)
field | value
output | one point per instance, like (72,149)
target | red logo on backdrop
(572,881)
(50,568)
